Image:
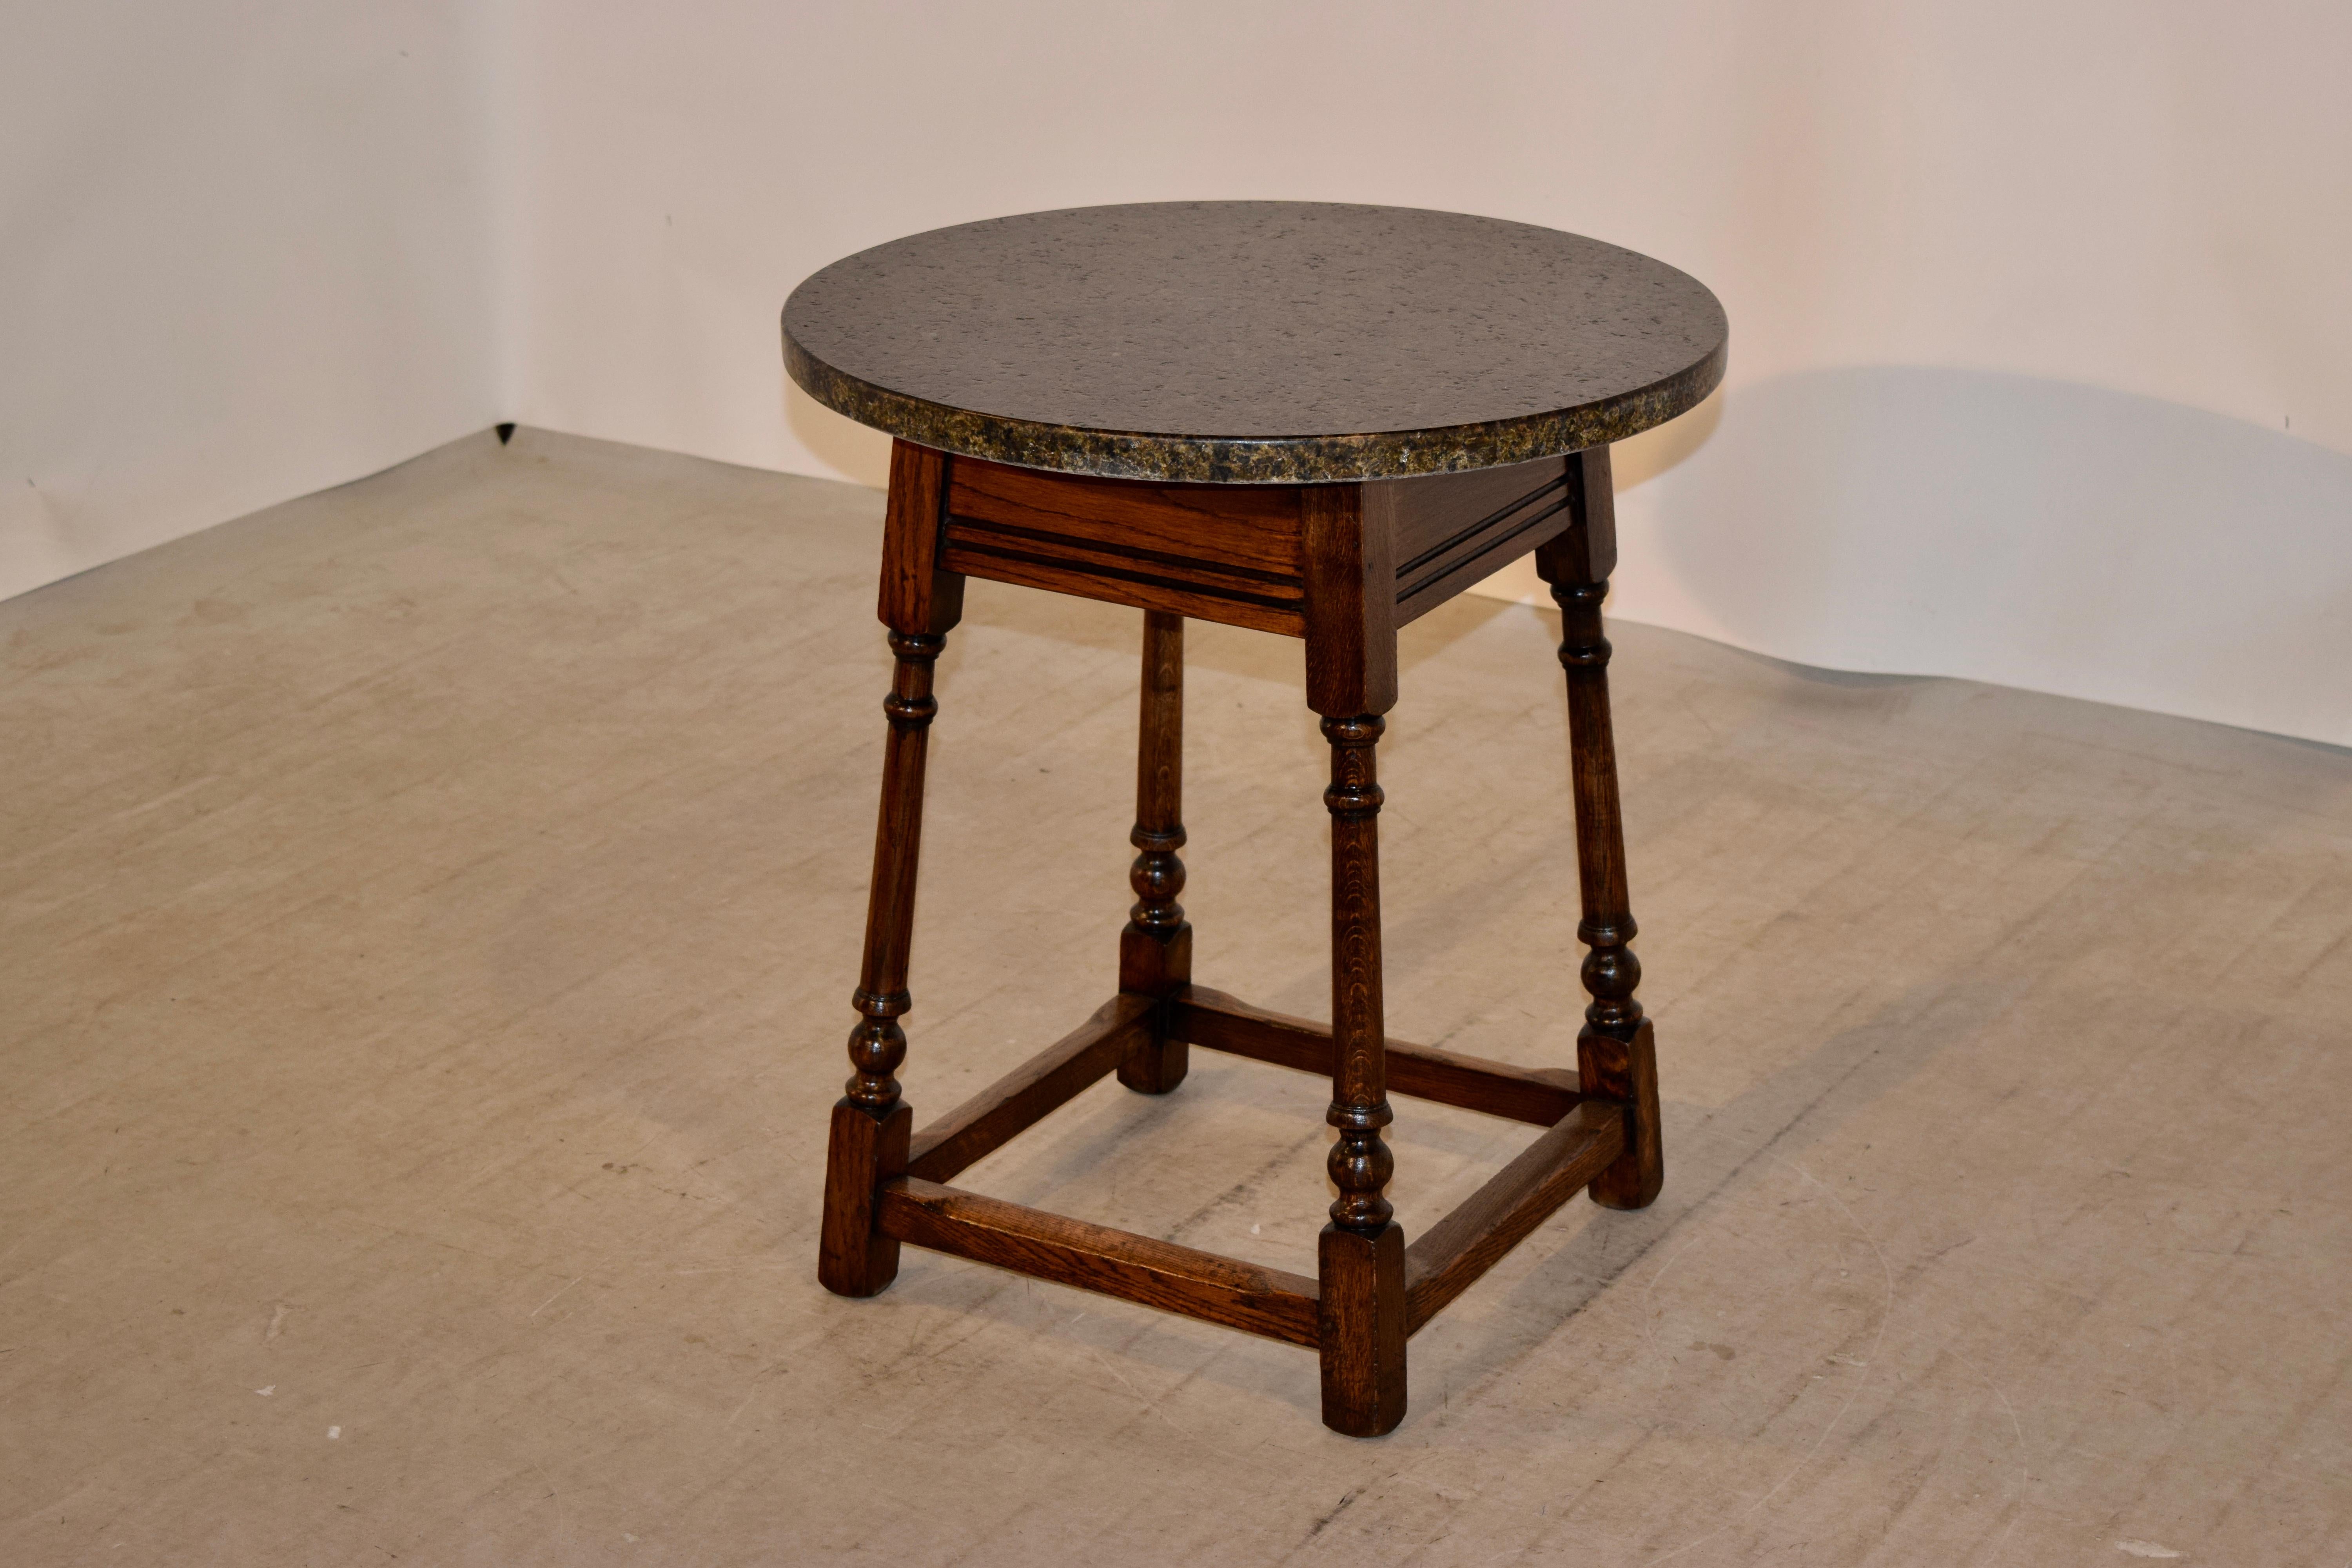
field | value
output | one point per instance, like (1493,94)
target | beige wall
(246,252)
(2039,309)
(2039,315)
(2152,198)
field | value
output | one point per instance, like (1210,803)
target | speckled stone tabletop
(1253,341)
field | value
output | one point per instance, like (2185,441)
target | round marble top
(1253,342)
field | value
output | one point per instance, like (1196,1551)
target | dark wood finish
(1455,529)
(920,594)
(1035,1089)
(876,1045)
(1190,588)
(1585,550)
(1268,1301)
(1577,564)
(1218,552)
(1451,1255)
(1236,554)
(1348,561)
(867,1148)
(1360,1163)
(1626,1072)
(1540,1096)
(1177,407)
(1350,679)
(1155,951)
(920,601)
(948,517)
(1361,1328)
(1240,526)
(1253,342)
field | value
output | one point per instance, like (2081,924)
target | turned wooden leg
(1615,1056)
(1362,1252)
(870,1123)
(1351,674)
(1155,951)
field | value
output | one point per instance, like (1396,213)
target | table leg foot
(1627,1072)
(1156,966)
(1360,1317)
(855,1258)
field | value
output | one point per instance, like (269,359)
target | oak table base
(1340,565)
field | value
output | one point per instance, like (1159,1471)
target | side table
(1314,420)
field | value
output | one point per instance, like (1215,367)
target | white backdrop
(2039,310)
(246,252)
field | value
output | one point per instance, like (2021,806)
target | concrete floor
(431,909)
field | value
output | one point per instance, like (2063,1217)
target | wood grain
(920,602)
(1267,1301)
(1454,530)
(877,1045)
(1035,1089)
(1586,552)
(1361,1319)
(919,593)
(1348,560)
(1228,553)
(1361,1161)
(866,1149)
(1577,564)
(1201,589)
(1626,1072)
(1360,1254)
(1252,526)
(1448,1257)
(1539,1095)
(1321,562)
(1155,950)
